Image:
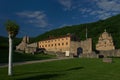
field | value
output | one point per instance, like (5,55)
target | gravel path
(30,62)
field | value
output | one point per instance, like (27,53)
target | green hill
(112,25)
(4,42)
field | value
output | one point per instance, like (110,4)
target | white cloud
(102,8)
(67,4)
(107,8)
(36,18)
(109,5)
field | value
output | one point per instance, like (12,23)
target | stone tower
(23,43)
(25,39)
(105,42)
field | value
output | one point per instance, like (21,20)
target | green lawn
(19,57)
(72,69)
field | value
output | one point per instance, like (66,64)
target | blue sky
(38,16)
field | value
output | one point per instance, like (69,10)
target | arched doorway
(79,51)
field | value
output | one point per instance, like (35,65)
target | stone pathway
(30,62)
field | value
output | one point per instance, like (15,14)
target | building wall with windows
(66,43)
(61,44)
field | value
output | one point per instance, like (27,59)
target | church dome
(105,34)
(105,42)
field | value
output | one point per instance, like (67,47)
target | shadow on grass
(27,73)
(39,77)
(74,68)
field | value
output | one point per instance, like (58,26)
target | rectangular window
(51,44)
(58,44)
(66,43)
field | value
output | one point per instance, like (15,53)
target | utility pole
(86,33)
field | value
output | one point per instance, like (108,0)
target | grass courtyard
(71,69)
(21,57)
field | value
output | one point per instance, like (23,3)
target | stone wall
(73,47)
(30,50)
(21,46)
(114,53)
(98,54)
(86,45)
(35,44)
(89,55)
(24,46)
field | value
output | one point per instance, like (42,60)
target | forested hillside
(4,42)
(112,25)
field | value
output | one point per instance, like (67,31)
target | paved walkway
(30,62)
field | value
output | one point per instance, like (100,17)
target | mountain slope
(112,25)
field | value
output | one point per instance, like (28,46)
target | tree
(12,29)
